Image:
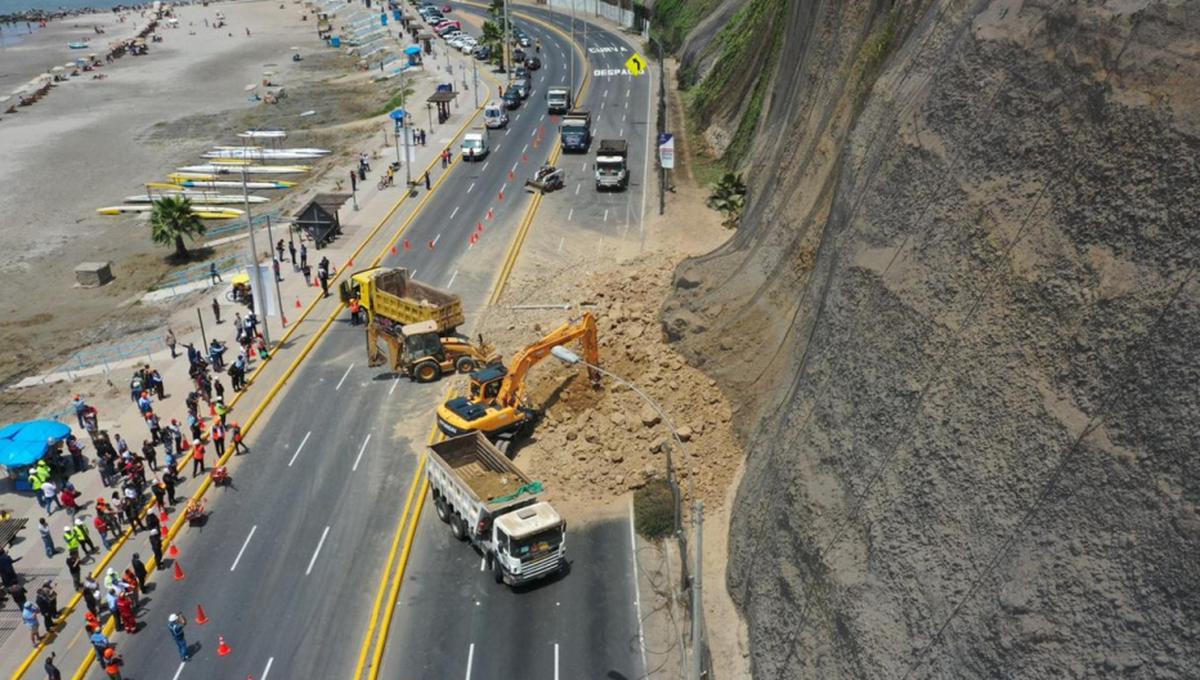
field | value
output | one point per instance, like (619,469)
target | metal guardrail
(200,272)
(108,355)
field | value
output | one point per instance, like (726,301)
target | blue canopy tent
(23,444)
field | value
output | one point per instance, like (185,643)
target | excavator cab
(485,384)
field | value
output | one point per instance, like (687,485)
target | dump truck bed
(613,147)
(476,466)
(405,300)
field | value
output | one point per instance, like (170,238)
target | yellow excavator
(494,404)
(424,355)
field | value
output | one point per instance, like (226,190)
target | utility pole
(475,78)
(507,47)
(260,301)
(278,293)
(662,102)
(407,155)
(571,99)
(697,593)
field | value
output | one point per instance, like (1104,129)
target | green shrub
(654,510)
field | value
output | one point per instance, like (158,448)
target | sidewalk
(366,233)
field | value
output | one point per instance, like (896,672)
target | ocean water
(13,6)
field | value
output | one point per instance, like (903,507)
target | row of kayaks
(222,179)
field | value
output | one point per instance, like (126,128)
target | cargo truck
(489,502)
(576,131)
(558,99)
(612,172)
(393,299)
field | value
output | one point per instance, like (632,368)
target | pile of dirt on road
(594,444)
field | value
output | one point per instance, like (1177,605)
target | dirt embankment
(969,265)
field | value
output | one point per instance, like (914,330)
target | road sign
(666,150)
(636,65)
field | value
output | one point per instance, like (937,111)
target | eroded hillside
(959,322)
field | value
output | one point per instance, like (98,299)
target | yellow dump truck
(392,298)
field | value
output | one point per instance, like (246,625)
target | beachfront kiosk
(319,219)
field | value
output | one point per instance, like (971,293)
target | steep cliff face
(960,317)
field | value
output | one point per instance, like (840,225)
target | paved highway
(289,561)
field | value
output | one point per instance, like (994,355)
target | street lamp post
(260,298)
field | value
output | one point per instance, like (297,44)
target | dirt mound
(594,444)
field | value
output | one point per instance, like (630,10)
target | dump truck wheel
(443,512)
(465,364)
(458,527)
(427,372)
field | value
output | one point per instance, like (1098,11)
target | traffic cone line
(501,195)
(479,227)
(490,215)
(407,244)
(298,305)
(510,175)
(179,575)
(173,551)
(162,517)
(201,617)
(393,249)
(222,648)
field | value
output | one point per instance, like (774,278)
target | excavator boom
(512,391)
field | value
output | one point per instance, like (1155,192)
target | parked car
(456,41)
(482,52)
(533,63)
(523,87)
(520,72)
(512,99)
(524,41)
(518,56)
(469,44)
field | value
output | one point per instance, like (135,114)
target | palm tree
(171,219)
(493,37)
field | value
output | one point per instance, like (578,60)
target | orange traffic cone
(283,320)
(407,244)
(201,617)
(393,249)
(173,551)
(222,648)
(250,352)
(162,517)
(510,175)
(298,304)
(179,575)
(350,263)
(501,195)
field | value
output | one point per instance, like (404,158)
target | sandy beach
(89,143)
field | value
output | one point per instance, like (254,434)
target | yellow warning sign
(636,65)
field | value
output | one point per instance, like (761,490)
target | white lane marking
(623,117)
(267,670)
(514,167)
(637,588)
(452,277)
(413,274)
(297,453)
(621,133)
(541,117)
(360,453)
(525,149)
(244,544)
(470,187)
(339,385)
(627,92)
(470,659)
(395,382)
(506,131)
(555,661)
(504,187)
(454,213)
(485,165)
(570,214)
(436,239)
(561,240)
(497,148)
(316,552)
(584,167)
(563,79)
(606,214)
(605,95)
(482,563)
(626,103)
(577,186)
(178,671)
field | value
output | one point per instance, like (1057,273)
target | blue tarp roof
(24,443)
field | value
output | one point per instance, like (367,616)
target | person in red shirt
(125,610)
(67,497)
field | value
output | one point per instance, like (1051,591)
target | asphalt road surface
(289,561)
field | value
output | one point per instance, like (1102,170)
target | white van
(494,115)
(475,145)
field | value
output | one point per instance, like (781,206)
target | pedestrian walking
(47,538)
(213,274)
(125,610)
(235,432)
(323,276)
(84,536)
(216,311)
(197,458)
(445,157)
(175,624)
(139,570)
(426,180)
(73,566)
(156,542)
(52,672)
(160,493)
(170,340)
(219,389)
(275,267)
(68,497)
(292,252)
(103,529)
(80,407)
(303,255)
(99,642)
(30,618)
(50,496)
(112,660)
(47,603)
(170,481)
(218,438)
(90,595)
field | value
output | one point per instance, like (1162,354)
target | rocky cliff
(960,321)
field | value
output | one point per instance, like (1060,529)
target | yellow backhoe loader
(423,355)
(494,404)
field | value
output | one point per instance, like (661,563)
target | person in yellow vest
(222,410)
(72,540)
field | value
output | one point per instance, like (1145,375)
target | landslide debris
(593,445)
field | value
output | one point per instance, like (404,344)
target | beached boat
(197,197)
(203,211)
(78,45)
(265,154)
(209,182)
(263,134)
(230,169)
